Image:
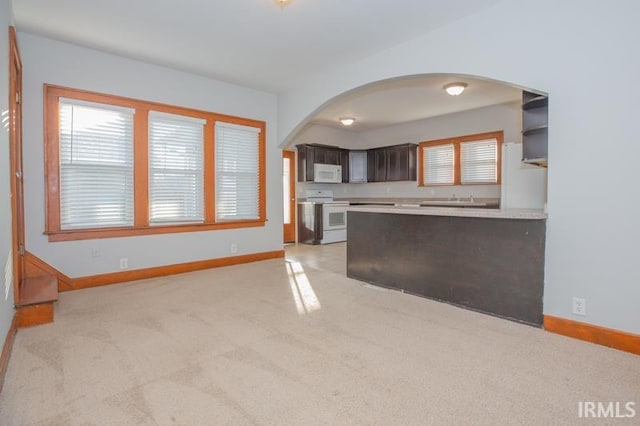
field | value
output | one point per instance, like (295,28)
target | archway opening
(417,110)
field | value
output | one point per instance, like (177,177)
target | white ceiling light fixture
(347,121)
(283,3)
(454,89)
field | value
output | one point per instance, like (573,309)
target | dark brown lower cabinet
(490,265)
(309,223)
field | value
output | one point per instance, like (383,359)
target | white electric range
(334,215)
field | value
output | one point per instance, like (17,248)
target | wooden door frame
(15,156)
(291,155)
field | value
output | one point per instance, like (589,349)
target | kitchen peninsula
(489,260)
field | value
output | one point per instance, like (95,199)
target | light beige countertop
(527,214)
(416,202)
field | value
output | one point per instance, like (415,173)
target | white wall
(48,61)
(6,305)
(506,117)
(580,52)
(524,186)
(325,135)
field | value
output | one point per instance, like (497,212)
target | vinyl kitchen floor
(295,342)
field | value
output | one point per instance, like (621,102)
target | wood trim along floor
(616,339)
(30,315)
(158,271)
(64,282)
(6,349)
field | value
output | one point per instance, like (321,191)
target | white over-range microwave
(327,173)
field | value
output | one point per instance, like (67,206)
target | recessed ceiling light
(454,89)
(347,121)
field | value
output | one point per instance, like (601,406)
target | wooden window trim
(52,94)
(456,141)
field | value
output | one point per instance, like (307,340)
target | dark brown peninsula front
(486,260)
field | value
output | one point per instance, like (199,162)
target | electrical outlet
(234,248)
(124,263)
(95,252)
(579,306)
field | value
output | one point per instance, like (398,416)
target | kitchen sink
(452,203)
(443,203)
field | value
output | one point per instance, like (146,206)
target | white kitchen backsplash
(401,190)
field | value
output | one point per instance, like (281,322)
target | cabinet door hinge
(21,249)
(18,97)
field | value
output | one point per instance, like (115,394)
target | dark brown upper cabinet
(310,154)
(392,163)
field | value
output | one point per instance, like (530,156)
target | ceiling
(248,42)
(409,99)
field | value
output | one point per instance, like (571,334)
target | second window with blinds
(120,167)
(176,165)
(237,183)
(464,160)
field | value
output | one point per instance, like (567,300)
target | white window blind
(176,184)
(438,162)
(286,189)
(479,161)
(96,165)
(237,172)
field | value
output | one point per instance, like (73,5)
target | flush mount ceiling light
(282,3)
(347,121)
(454,89)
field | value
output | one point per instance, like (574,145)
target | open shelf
(542,162)
(535,125)
(535,130)
(537,102)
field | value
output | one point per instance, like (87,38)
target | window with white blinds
(462,160)
(176,187)
(120,167)
(237,171)
(438,164)
(479,161)
(96,165)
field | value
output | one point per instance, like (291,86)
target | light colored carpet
(280,343)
